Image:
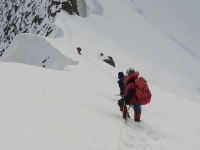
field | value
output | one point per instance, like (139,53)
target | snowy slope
(188,11)
(47,109)
(71,103)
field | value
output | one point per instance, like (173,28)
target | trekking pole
(127,112)
(129,107)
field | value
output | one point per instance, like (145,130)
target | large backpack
(142,92)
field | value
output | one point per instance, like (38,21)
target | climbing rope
(121,126)
(124,101)
(120,135)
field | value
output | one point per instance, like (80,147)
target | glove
(121,95)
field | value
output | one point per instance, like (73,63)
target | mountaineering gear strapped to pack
(142,91)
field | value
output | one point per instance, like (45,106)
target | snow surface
(54,98)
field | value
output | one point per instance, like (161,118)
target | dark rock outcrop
(27,16)
(110,61)
(70,6)
(107,59)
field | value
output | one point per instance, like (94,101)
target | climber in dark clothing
(121,83)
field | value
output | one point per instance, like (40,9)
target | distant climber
(79,50)
(107,59)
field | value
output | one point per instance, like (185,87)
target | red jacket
(129,89)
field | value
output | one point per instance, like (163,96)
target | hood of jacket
(132,76)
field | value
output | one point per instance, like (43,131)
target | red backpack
(142,91)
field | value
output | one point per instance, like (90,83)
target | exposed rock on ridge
(28,16)
(70,6)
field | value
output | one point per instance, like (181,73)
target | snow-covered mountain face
(28,16)
(51,110)
(158,33)
(145,34)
